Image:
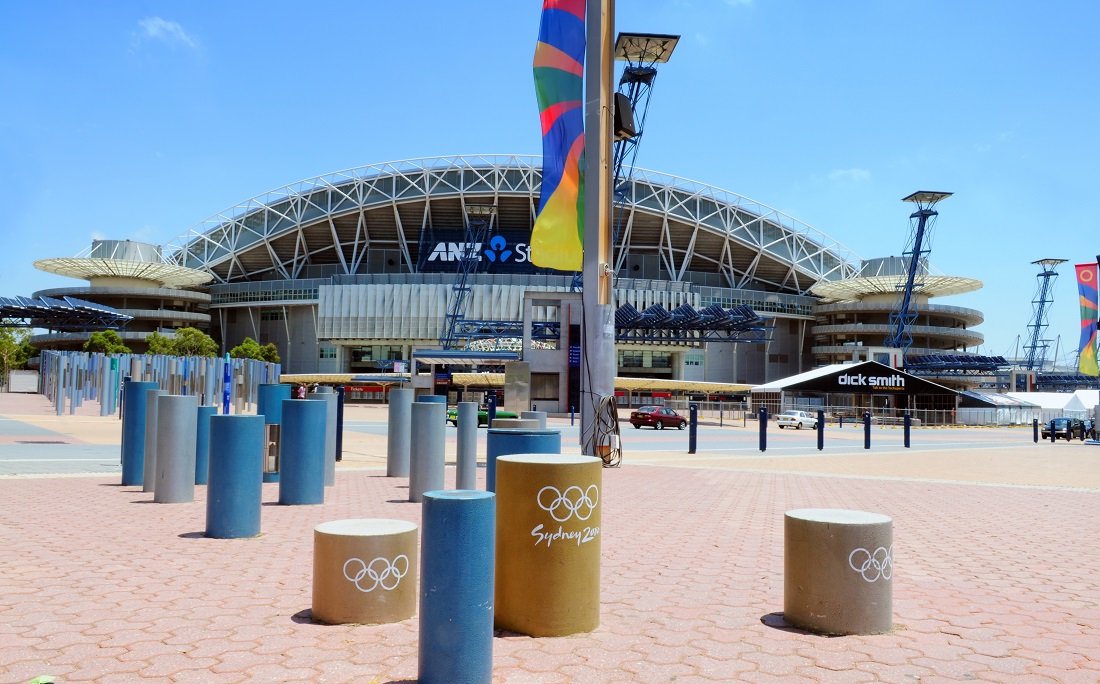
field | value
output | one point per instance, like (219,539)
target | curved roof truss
(687,225)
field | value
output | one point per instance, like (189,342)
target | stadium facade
(348,272)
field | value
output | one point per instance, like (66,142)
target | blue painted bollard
(202,443)
(235,483)
(457,562)
(507,441)
(302,453)
(133,432)
(432,399)
(269,404)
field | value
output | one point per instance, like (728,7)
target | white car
(796,419)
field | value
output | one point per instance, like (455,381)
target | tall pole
(598,357)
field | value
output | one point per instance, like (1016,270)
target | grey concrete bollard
(466,475)
(149,475)
(838,570)
(177,432)
(399,433)
(426,464)
(329,397)
(540,416)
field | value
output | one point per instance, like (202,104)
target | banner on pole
(557,240)
(1086,287)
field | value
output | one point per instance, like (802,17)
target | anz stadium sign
(502,253)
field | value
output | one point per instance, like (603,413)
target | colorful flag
(557,240)
(1086,286)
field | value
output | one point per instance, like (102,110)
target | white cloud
(850,175)
(169,32)
(96,235)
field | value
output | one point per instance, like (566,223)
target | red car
(657,416)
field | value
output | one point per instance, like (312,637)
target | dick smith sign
(859,380)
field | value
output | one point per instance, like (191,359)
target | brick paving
(992,583)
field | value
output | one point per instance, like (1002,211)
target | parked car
(482,416)
(796,419)
(1060,425)
(657,416)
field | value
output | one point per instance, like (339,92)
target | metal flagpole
(598,351)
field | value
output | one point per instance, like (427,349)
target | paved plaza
(997,563)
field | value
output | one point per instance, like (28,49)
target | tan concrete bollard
(525,423)
(837,571)
(548,544)
(364,571)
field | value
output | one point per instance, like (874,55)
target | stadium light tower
(642,52)
(479,220)
(905,313)
(1036,348)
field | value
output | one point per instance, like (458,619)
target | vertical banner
(1086,287)
(558,236)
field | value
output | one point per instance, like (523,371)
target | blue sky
(140,119)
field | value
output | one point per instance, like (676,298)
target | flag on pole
(1086,287)
(557,240)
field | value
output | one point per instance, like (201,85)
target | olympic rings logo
(873,565)
(573,501)
(380,571)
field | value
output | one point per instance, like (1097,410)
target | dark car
(1060,425)
(657,416)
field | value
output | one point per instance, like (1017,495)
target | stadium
(355,270)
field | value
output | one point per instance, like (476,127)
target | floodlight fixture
(645,48)
(1048,265)
(926,198)
(480,210)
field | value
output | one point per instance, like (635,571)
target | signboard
(574,356)
(503,252)
(868,377)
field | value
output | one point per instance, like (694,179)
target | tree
(106,342)
(15,349)
(193,342)
(158,344)
(251,349)
(271,353)
(247,349)
(187,342)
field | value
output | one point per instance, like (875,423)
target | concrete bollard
(202,443)
(269,404)
(133,432)
(548,544)
(505,441)
(302,453)
(399,432)
(466,470)
(427,448)
(233,495)
(149,476)
(456,594)
(326,395)
(540,416)
(177,433)
(838,571)
(512,423)
(364,571)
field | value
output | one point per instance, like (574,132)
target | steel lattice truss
(67,313)
(686,324)
(338,219)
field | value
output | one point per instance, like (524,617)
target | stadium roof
(854,289)
(91,268)
(342,219)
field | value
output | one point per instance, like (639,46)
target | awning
(632,384)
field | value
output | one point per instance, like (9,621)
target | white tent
(1054,404)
